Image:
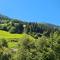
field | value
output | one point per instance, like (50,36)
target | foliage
(39,42)
(27,48)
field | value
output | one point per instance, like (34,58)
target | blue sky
(32,10)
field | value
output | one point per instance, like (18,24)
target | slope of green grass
(13,39)
(4,34)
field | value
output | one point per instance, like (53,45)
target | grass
(12,44)
(9,37)
(4,34)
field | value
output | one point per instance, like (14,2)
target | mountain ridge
(16,26)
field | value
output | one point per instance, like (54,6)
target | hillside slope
(32,28)
(7,35)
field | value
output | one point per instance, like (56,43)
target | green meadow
(11,38)
(4,34)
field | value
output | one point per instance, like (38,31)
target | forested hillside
(17,26)
(21,40)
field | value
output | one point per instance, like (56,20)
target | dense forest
(17,26)
(28,40)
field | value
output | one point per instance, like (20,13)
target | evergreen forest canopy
(16,26)
(28,40)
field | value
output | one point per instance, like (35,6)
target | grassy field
(10,37)
(4,34)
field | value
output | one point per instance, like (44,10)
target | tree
(12,30)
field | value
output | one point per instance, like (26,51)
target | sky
(47,11)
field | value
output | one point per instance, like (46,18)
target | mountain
(21,40)
(4,17)
(16,26)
